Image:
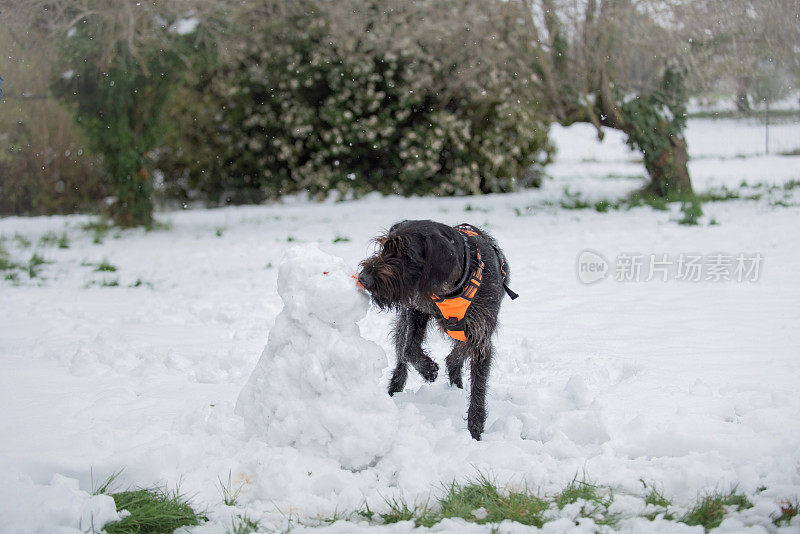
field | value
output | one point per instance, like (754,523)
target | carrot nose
(358,282)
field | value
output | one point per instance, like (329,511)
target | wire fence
(744,136)
(781,134)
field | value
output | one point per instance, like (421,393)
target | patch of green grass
(49,239)
(290,239)
(110,283)
(576,489)
(152,511)
(341,239)
(788,511)
(576,204)
(421,515)
(710,510)
(658,503)
(365,512)
(602,206)
(648,198)
(5,260)
(574,201)
(241,524)
(105,267)
(33,265)
(230,495)
(655,496)
(470,207)
(781,203)
(791,185)
(719,195)
(692,211)
(7,266)
(104,487)
(218,231)
(596,501)
(98,228)
(22,241)
(662,513)
(480,501)
(139,283)
(691,204)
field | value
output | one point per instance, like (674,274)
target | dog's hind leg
(400,374)
(480,362)
(413,351)
(455,361)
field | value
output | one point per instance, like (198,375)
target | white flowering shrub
(298,114)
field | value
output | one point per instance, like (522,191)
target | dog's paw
(475,421)
(429,370)
(395,388)
(398,381)
(475,430)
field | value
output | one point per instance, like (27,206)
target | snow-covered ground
(688,385)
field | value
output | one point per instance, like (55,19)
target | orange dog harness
(454,305)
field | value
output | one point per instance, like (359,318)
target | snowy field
(691,386)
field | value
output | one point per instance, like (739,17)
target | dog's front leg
(400,374)
(413,351)
(480,362)
(455,361)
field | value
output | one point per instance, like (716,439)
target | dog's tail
(504,272)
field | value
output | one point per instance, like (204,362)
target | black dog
(456,275)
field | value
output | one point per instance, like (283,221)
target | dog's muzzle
(366,280)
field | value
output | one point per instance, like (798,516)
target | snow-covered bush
(298,111)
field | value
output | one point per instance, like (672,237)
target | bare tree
(620,64)
(752,43)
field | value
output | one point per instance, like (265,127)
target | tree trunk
(669,173)
(743,84)
(133,206)
(743,102)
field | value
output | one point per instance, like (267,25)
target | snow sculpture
(316,385)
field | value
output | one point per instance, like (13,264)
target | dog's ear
(442,255)
(390,245)
(396,225)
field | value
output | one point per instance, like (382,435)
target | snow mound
(61,506)
(316,385)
